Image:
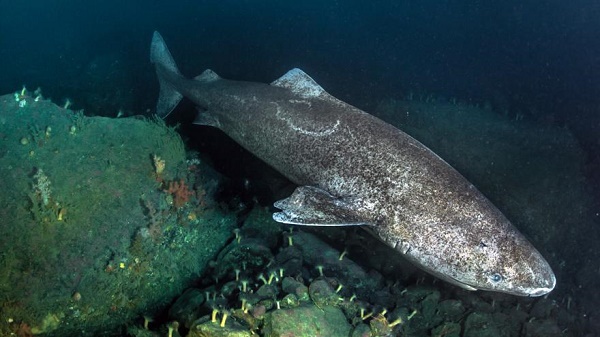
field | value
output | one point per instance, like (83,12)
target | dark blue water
(532,60)
(540,56)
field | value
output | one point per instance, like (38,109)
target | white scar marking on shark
(295,101)
(301,130)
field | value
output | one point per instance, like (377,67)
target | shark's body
(355,169)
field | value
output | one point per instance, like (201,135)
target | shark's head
(505,262)
(489,254)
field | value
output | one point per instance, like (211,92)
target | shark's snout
(545,280)
(535,277)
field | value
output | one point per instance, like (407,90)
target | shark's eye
(495,278)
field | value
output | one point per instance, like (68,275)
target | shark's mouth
(456,282)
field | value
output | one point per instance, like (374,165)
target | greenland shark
(353,169)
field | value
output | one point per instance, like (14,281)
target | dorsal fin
(207,76)
(299,83)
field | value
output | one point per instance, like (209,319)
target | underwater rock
(322,294)
(429,308)
(187,308)
(542,308)
(474,300)
(292,286)
(319,254)
(451,310)
(267,291)
(484,325)
(307,321)
(214,329)
(290,259)
(260,225)
(415,294)
(383,298)
(446,330)
(424,314)
(250,254)
(361,330)
(91,238)
(290,301)
(229,288)
(137,331)
(546,328)
(517,316)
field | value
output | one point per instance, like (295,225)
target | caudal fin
(168,97)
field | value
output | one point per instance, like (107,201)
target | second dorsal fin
(207,76)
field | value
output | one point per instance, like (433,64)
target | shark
(353,169)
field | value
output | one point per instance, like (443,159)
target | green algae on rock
(88,239)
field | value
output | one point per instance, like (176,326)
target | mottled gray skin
(355,169)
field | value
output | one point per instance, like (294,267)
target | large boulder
(102,220)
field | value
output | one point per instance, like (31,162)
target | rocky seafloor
(292,283)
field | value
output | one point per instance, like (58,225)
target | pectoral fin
(206,118)
(312,206)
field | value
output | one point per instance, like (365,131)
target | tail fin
(169,97)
